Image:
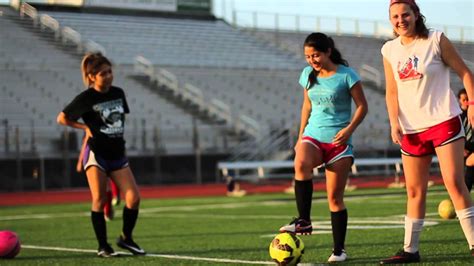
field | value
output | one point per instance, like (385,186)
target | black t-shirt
(104,114)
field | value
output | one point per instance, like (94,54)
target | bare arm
(305,113)
(451,58)
(361,110)
(391,99)
(81,154)
(63,120)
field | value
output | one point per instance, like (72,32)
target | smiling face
(403,20)
(316,59)
(104,77)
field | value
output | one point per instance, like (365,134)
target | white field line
(429,214)
(147,210)
(369,225)
(178,257)
(324,227)
(44,216)
(395,219)
(223,216)
(147,215)
(196,208)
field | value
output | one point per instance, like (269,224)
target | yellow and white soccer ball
(446,209)
(286,249)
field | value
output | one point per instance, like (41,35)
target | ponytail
(336,56)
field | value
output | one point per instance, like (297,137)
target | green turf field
(223,231)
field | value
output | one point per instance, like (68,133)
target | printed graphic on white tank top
(409,69)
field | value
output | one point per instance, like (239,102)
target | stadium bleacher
(175,42)
(36,70)
(254,73)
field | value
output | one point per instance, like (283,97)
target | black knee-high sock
(304,197)
(469,177)
(339,228)
(129,220)
(100,228)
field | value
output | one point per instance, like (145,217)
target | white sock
(466,219)
(412,234)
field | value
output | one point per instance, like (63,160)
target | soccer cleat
(402,257)
(338,258)
(130,245)
(298,226)
(106,252)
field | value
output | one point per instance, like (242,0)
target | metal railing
(65,34)
(338,25)
(188,92)
(264,148)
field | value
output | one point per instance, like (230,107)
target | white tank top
(425,98)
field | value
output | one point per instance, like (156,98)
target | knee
(302,166)
(133,200)
(416,193)
(336,202)
(454,182)
(98,203)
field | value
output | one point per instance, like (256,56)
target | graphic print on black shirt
(112,114)
(104,114)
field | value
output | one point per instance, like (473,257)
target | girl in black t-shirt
(102,108)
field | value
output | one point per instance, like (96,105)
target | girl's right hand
(396,133)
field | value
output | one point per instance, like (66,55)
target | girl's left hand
(342,137)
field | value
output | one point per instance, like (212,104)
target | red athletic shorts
(424,143)
(331,153)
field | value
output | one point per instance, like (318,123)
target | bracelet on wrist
(470,102)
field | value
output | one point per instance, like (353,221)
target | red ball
(9,245)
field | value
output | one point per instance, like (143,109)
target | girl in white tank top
(419,98)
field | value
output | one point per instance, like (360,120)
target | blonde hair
(91,65)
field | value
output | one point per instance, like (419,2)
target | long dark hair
(323,43)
